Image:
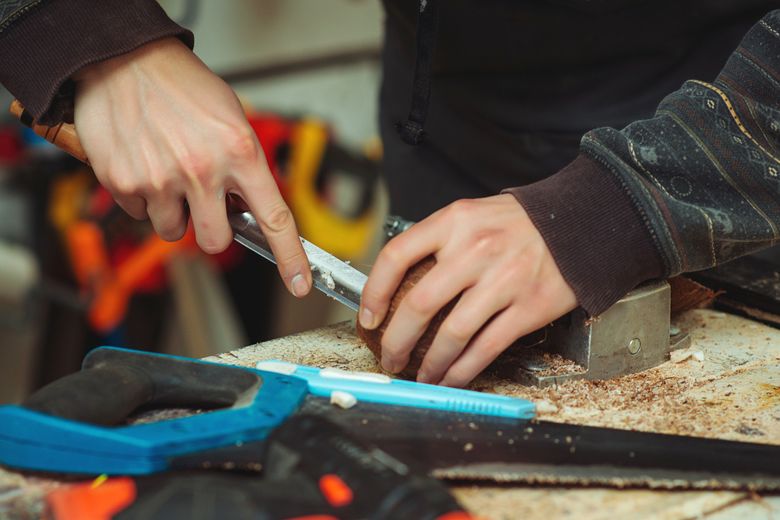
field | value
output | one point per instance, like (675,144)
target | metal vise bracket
(631,336)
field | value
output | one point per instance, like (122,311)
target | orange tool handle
(62,135)
(99,500)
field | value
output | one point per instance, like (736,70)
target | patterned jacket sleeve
(44,42)
(695,186)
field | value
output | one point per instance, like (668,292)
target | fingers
(168,217)
(499,333)
(401,253)
(436,289)
(209,219)
(475,308)
(133,205)
(258,189)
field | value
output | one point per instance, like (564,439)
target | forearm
(45,43)
(695,186)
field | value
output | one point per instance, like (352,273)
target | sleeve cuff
(595,234)
(43,49)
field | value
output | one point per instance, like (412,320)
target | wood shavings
(706,399)
(328,279)
(558,365)
(689,398)
(680,356)
(545,407)
(334,346)
(547,363)
(343,399)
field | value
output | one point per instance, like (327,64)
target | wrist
(162,48)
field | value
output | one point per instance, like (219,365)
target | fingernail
(422,377)
(367,318)
(299,286)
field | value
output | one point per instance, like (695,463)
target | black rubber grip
(113,383)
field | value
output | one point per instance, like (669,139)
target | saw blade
(471,447)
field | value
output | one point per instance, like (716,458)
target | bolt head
(634,346)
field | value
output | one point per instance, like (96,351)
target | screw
(634,346)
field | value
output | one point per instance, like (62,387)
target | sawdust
(335,346)
(639,401)
(700,399)
(708,398)
(681,356)
(649,401)
(554,364)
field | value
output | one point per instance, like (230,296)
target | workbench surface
(733,393)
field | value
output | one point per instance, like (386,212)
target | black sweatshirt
(514,87)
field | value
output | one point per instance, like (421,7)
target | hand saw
(474,448)
(78,425)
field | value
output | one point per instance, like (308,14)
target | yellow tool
(343,237)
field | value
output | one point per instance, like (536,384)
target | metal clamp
(631,336)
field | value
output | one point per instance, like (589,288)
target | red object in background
(101,202)
(10,145)
(274,133)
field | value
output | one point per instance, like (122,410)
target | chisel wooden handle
(62,135)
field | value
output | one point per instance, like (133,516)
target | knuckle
(393,251)
(241,143)
(420,302)
(295,256)
(197,166)
(487,243)
(124,185)
(462,208)
(457,330)
(161,181)
(278,219)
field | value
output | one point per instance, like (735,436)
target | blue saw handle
(75,425)
(114,383)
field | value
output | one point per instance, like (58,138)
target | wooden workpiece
(732,393)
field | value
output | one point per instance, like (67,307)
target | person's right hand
(160,129)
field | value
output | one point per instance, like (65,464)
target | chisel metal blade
(332,276)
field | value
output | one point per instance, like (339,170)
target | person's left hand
(489,250)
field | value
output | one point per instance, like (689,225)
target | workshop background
(76,272)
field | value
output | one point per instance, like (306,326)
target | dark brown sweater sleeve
(596,232)
(693,187)
(43,43)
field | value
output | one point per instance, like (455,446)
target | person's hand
(489,250)
(160,129)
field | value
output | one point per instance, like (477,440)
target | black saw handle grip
(113,383)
